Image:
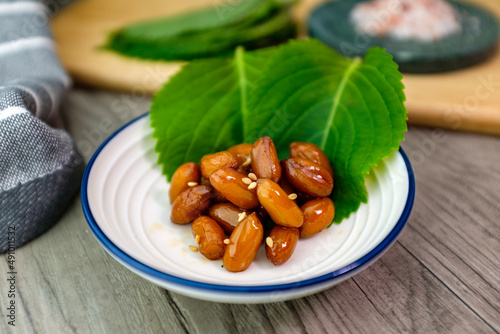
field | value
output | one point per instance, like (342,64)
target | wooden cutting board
(467,99)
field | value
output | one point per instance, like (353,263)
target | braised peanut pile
(234,192)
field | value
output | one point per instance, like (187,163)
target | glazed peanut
(312,152)
(226,215)
(211,237)
(265,161)
(286,185)
(283,241)
(191,203)
(308,177)
(242,152)
(282,210)
(303,197)
(212,162)
(217,197)
(243,244)
(241,149)
(262,213)
(229,183)
(247,185)
(318,214)
(186,173)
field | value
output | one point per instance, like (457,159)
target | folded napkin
(40,167)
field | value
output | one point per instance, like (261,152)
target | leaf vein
(336,100)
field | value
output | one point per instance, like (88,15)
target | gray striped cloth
(40,168)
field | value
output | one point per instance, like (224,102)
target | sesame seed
(192,184)
(252,185)
(227,241)
(193,248)
(241,216)
(252,176)
(246,180)
(269,241)
(197,239)
(292,196)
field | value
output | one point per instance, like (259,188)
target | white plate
(125,201)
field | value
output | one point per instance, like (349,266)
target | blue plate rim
(335,275)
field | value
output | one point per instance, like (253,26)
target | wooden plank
(332,310)
(414,299)
(457,213)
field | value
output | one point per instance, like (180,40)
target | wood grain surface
(467,99)
(441,276)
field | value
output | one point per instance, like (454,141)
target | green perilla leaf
(301,91)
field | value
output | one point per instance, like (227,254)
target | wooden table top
(442,275)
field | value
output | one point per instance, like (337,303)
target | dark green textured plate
(476,42)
